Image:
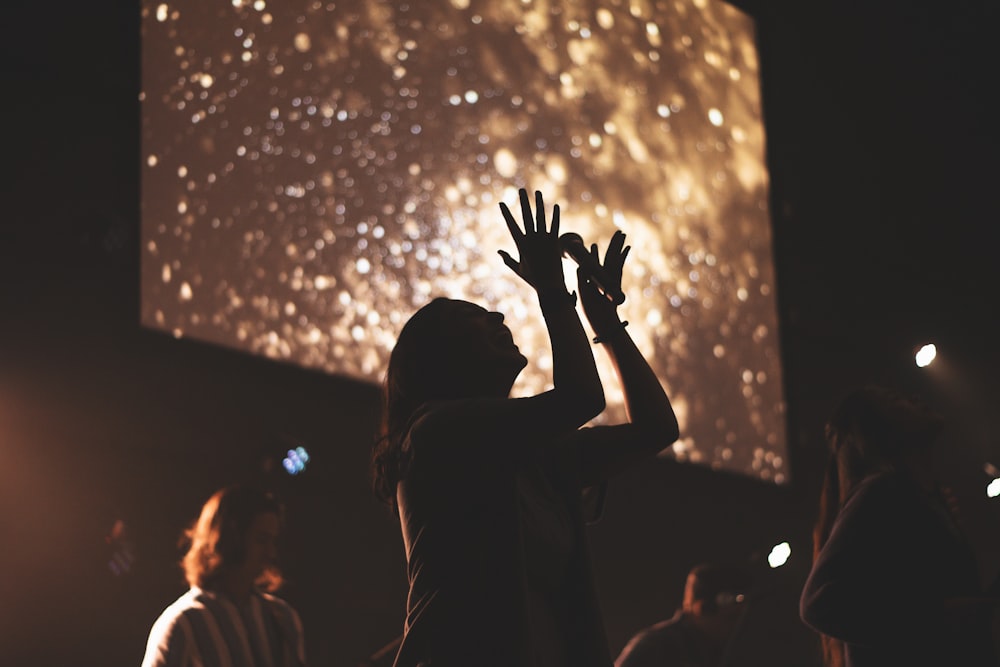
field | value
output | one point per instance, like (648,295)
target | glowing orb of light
(779,554)
(993,488)
(925,355)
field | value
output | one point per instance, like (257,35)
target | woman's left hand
(600,310)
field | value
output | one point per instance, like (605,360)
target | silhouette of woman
(893,580)
(487,487)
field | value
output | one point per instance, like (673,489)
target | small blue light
(295,461)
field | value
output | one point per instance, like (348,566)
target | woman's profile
(488,487)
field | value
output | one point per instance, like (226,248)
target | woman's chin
(518,360)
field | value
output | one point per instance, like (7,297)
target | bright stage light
(314,173)
(993,488)
(779,555)
(925,355)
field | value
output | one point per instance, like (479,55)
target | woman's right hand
(601,312)
(540,257)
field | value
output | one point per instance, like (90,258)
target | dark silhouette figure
(701,632)
(229,616)
(488,488)
(893,580)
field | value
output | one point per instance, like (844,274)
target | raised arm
(577,395)
(606,450)
(574,374)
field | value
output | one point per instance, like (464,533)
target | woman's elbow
(662,429)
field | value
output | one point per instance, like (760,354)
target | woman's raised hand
(540,258)
(600,310)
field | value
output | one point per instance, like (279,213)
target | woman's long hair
(872,430)
(218,538)
(426,364)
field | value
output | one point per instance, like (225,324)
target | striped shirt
(206,629)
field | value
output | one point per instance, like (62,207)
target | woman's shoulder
(274,601)
(444,420)
(879,498)
(881,486)
(433,427)
(280,608)
(177,612)
(424,421)
(188,603)
(462,434)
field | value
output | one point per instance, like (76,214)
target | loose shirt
(207,629)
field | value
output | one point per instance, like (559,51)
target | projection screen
(313,172)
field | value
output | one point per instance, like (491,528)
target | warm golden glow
(348,158)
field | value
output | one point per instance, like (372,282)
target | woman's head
(235,534)
(448,349)
(875,428)
(452,348)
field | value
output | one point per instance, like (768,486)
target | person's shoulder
(274,601)
(288,621)
(170,632)
(880,504)
(649,642)
(662,631)
(187,604)
(424,427)
(436,424)
(425,418)
(281,607)
(880,488)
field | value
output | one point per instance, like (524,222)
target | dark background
(881,146)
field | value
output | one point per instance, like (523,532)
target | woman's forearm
(646,402)
(574,372)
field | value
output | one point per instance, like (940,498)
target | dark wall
(881,151)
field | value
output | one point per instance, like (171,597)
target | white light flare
(779,555)
(993,488)
(925,355)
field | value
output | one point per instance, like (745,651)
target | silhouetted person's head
(452,349)
(234,542)
(714,598)
(875,429)
(449,349)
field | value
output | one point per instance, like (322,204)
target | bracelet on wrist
(614,333)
